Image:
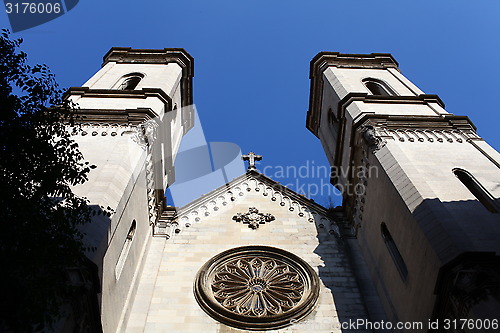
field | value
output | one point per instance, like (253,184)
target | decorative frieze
(426,135)
(96,129)
(226,196)
(376,135)
(239,192)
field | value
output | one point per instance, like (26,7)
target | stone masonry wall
(165,301)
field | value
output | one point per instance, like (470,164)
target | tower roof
(336,59)
(152,56)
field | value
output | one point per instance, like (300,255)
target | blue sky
(251,84)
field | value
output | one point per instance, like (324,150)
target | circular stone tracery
(257,287)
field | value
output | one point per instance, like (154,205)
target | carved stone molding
(153,204)
(358,209)
(253,218)
(257,288)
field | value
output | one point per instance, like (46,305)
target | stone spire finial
(251,158)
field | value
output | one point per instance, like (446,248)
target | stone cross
(251,158)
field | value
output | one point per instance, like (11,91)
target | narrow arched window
(125,250)
(393,250)
(131,231)
(378,87)
(477,190)
(331,116)
(130,81)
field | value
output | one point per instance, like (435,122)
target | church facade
(415,239)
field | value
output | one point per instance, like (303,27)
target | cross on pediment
(251,158)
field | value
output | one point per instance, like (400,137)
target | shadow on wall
(466,226)
(337,276)
(464,236)
(468,284)
(97,236)
(81,311)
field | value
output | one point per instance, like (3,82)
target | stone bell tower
(420,188)
(133,114)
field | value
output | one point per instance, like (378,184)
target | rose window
(257,287)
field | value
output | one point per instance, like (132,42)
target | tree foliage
(39,214)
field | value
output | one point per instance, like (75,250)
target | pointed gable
(243,191)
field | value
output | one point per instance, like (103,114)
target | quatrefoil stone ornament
(253,218)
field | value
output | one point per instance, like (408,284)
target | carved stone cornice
(151,56)
(323,60)
(367,98)
(114,93)
(110,117)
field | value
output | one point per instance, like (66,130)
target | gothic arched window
(393,250)
(477,190)
(130,81)
(378,87)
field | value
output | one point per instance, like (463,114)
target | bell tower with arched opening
(420,188)
(132,115)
